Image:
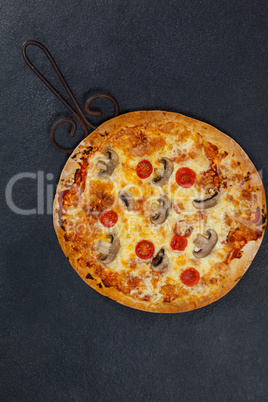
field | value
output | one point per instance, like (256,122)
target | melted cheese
(133,226)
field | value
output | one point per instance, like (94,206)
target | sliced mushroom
(205,244)
(108,165)
(162,179)
(207,203)
(160,261)
(108,250)
(163,211)
(127,199)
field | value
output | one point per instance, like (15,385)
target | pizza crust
(97,141)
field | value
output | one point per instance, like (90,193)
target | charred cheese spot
(100,197)
(211,150)
(166,128)
(169,292)
(136,142)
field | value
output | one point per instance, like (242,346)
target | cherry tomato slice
(145,249)
(178,243)
(108,218)
(190,277)
(185,177)
(144,169)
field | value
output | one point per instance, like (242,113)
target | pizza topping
(211,150)
(185,177)
(237,238)
(190,277)
(139,141)
(144,249)
(127,199)
(108,165)
(108,218)
(165,269)
(144,169)
(205,244)
(160,261)
(108,250)
(81,173)
(163,211)
(208,202)
(257,217)
(188,231)
(178,243)
(99,197)
(162,179)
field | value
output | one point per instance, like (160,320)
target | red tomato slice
(190,277)
(145,249)
(185,177)
(144,169)
(108,218)
(178,242)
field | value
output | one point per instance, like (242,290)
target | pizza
(159,212)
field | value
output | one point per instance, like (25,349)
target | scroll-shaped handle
(76,111)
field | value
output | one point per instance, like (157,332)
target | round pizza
(159,211)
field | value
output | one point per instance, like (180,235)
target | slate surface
(60,340)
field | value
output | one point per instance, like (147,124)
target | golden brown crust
(98,140)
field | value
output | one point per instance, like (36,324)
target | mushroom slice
(207,203)
(108,250)
(127,199)
(108,165)
(161,180)
(160,261)
(163,211)
(205,244)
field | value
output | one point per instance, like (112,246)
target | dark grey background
(60,340)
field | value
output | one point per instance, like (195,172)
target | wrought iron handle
(76,111)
